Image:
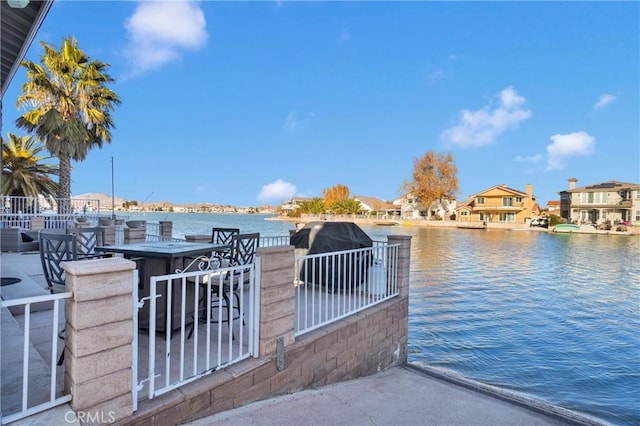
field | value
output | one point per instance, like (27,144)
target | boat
(570,228)
(472,225)
(566,228)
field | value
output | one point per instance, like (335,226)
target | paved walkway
(398,396)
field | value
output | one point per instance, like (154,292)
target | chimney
(529,189)
(572,182)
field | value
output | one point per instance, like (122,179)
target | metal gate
(184,330)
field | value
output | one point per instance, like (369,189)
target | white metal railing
(189,334)
(156,237)
(280,240)
(152,228)
(331,286)
(34,400)
(40,205)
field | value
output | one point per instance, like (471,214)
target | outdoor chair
(87,239)
(56,248)
(224,236)
(243,251)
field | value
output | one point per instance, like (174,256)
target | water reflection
(552,316)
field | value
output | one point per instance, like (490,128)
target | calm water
(552,316)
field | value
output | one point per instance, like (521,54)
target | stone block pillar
(200,238)
(109,235)
(135,235)
(37,223)
(277,297)
(166,228)
(98,339)
(404,259)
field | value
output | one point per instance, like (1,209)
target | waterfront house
(553,207)
(370,205)
(499,204)
(411,208)
(611,201)
(293,204)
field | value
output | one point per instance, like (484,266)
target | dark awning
(19,28)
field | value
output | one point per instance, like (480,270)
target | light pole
(113,202)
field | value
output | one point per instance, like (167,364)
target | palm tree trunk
(64,186)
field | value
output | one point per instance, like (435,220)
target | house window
(480,200)
(507,201)
(466,213)
(507,217)
(594,197)
(518,199)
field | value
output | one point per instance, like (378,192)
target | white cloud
(529,159)
(483,126)
(292,123)
(604,100)
(276,191)
(569,145)
(159,31)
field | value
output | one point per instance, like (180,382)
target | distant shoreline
(424,223)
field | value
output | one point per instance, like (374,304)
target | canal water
(555,317)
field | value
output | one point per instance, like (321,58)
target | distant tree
(314,206)
(23,172)
(435,178)
(128,204)
(68,106)
(336,193)
(295,213)
(346,206)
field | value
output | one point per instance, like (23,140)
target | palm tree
(23,173)
(70,106)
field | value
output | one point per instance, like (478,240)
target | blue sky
(250,103)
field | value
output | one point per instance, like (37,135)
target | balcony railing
(498,207)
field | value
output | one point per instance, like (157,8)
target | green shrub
(554,219)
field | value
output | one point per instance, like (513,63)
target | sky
(252,103)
